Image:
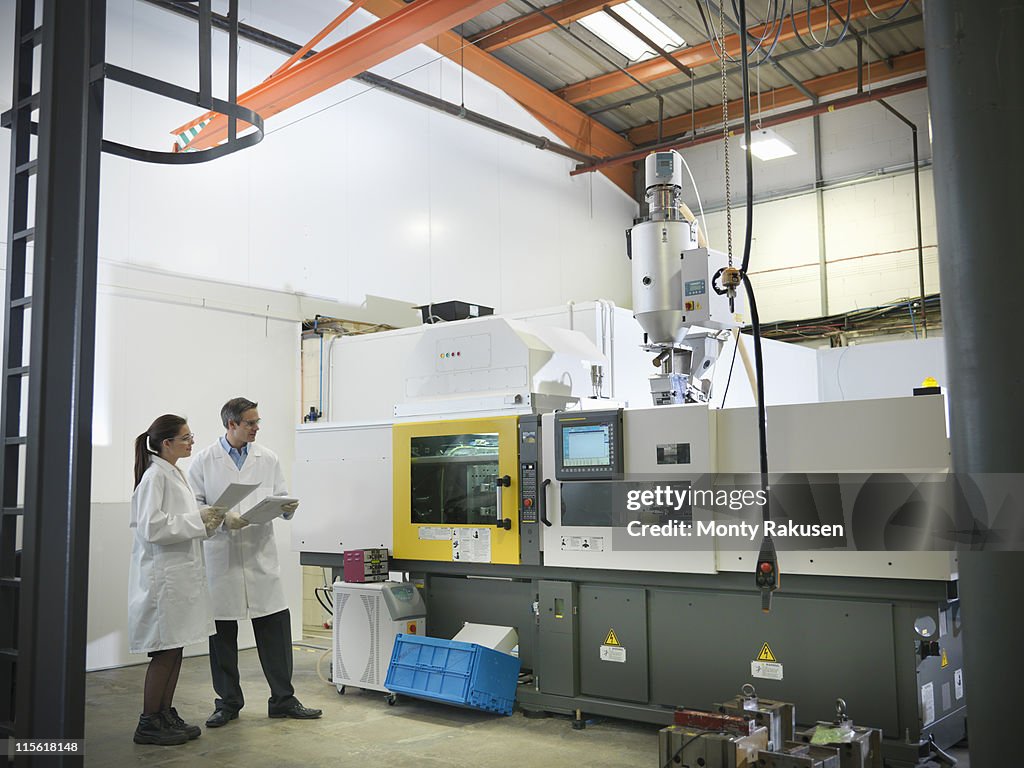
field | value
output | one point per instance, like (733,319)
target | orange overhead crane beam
(382,40)
(569,124)
(699,55)
(531,24)
(826,85)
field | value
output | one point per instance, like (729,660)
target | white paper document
(471,545)
(233,494)
(268,509)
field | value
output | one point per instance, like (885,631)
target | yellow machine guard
(408,544)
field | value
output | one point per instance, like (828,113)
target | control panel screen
(586,446)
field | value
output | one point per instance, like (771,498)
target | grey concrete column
(976,90)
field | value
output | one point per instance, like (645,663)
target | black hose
(316,594)
(762,419)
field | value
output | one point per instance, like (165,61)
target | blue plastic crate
(464,674)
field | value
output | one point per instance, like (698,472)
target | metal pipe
(459,111)
(917,205)
(860,64)
(974,76)
(785,117)
(819,194)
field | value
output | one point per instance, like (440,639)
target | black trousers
(274,645)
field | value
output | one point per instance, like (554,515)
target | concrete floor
(357,727)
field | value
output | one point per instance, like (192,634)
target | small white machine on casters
(367,618)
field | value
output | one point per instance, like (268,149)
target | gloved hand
(289,509)
(235,521)
(212,517)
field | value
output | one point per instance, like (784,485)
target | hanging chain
(759,98)
(462,64)
(725,128)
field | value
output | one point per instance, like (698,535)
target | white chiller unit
(367,618)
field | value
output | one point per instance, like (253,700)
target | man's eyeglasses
(250,423)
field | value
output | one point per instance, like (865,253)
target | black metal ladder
(20,233)
(47,369)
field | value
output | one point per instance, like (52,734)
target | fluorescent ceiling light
(768,145)
(624,41)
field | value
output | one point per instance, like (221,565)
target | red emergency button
(766,567)
(527,503)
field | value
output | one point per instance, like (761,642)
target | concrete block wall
(313,614)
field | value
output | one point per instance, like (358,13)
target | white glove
(289,509)
(212,517)
(234,521)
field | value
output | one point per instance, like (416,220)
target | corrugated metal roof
(571,54)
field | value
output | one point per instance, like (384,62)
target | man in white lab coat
(242,567)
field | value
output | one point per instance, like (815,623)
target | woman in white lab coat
(168,602)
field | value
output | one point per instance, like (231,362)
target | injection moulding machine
(496,489)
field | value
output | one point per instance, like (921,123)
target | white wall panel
(148,362)
(355,192)
(883,369)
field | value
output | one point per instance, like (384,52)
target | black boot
(153,729)
(175,721)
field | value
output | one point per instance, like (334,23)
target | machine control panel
(531,490)
(588,445)
(530,500)
(528,492)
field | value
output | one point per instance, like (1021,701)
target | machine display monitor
(589,445)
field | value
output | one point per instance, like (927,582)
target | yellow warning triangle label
(766,654)
(611,639)
(945,659)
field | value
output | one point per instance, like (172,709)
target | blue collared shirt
(237,456)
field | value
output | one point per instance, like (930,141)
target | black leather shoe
(297,712)
(174,720)
(220,717)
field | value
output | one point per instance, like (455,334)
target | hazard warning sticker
(614,653)
(766,670)
(945,659)
(611,649)
(766,666)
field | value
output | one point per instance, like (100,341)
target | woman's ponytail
(142,457)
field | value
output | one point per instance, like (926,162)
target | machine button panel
(528,492)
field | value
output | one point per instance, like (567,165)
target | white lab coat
(241,565)
(168,602)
